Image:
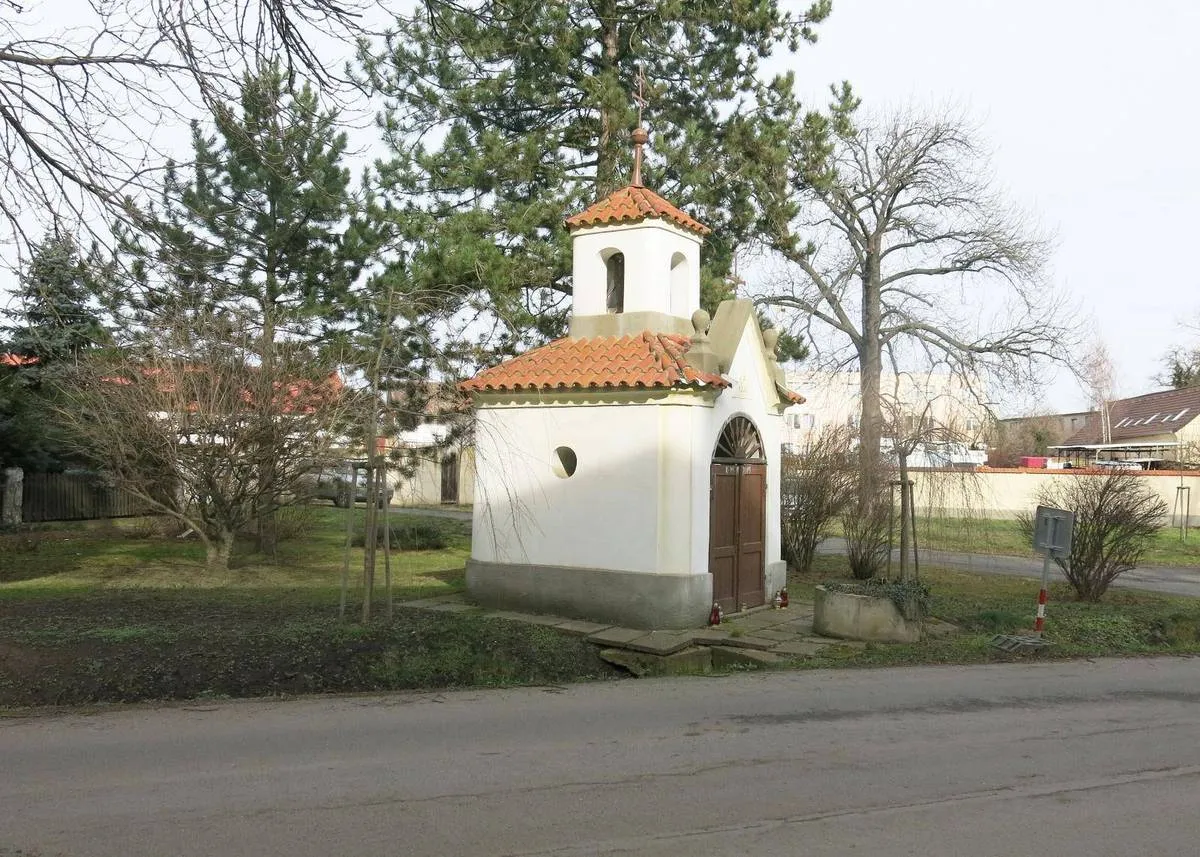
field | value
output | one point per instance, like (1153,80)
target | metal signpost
(1052,533)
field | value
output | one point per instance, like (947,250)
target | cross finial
(639,136)
(639,97)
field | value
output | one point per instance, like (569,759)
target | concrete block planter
(850,616)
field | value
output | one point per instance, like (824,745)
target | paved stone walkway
(763,637)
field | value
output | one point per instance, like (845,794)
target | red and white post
(1040,623)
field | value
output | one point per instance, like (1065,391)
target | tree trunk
(608,144)
(870,367)
(370,514)
(267,532)
(218,548)
(905,514)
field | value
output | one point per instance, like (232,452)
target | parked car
(1119,465)
(331,483)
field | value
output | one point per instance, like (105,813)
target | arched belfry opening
(737,517)
(614,266)
(681,303)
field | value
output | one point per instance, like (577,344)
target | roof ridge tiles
(644,360)
(631,204)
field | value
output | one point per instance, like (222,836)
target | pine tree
(505,117)
(262,234)
(263,226)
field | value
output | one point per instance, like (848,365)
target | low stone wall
(849,616)
(1006,493)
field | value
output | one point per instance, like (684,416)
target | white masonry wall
(651,247)
(639,499)
(752,395)
(627,507)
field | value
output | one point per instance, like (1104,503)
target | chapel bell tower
(636,262)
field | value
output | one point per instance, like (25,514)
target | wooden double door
(737,522)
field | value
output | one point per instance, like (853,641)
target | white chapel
(629,472)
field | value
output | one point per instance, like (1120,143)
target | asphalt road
(1068,759)
(1168,580)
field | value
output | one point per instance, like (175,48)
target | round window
(564,462)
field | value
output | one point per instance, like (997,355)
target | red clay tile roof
(16,360)
(631,204)
(1142,416)
(645,360)
(791,395)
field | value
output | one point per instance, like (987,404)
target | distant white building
(940,399)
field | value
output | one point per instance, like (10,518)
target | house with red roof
(629,472)
(1153,431)
(16,361)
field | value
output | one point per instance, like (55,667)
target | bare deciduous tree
(188,429)
(1116,516)
(1014,438)
(816,488)
(1181,365)
(912,427)
(900,246)
(81,99)
(1096,374)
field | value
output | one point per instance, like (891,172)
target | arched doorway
(737,517)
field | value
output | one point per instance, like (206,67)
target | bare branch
(84,104)
(908,250)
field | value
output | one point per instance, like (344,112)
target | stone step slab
(723,656)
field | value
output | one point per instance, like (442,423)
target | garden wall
(995,493)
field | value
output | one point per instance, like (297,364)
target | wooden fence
(75,497)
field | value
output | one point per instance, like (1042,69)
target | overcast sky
(1090,108)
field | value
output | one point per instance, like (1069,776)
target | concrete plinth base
(629,599)
(861,617)
(776,578)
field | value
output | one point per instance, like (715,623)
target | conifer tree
(55,320)
(262,234)
(504,117)
(263,225)
(54,310)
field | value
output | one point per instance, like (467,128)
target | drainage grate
(1019,642)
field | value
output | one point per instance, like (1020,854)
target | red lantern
(783,597)
(714,617)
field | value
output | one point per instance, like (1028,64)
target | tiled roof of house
(631,204)
(16,360)
(645,360)
(1143,416)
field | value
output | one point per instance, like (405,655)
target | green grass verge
(136,554)
(121,611)
(131,645)
(1126,622)
(1004,538)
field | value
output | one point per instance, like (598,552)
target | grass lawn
(119,612)
(134,554)
(989,536)
(1125,622)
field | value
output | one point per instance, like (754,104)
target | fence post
(14,493)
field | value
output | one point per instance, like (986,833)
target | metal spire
(640,136)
